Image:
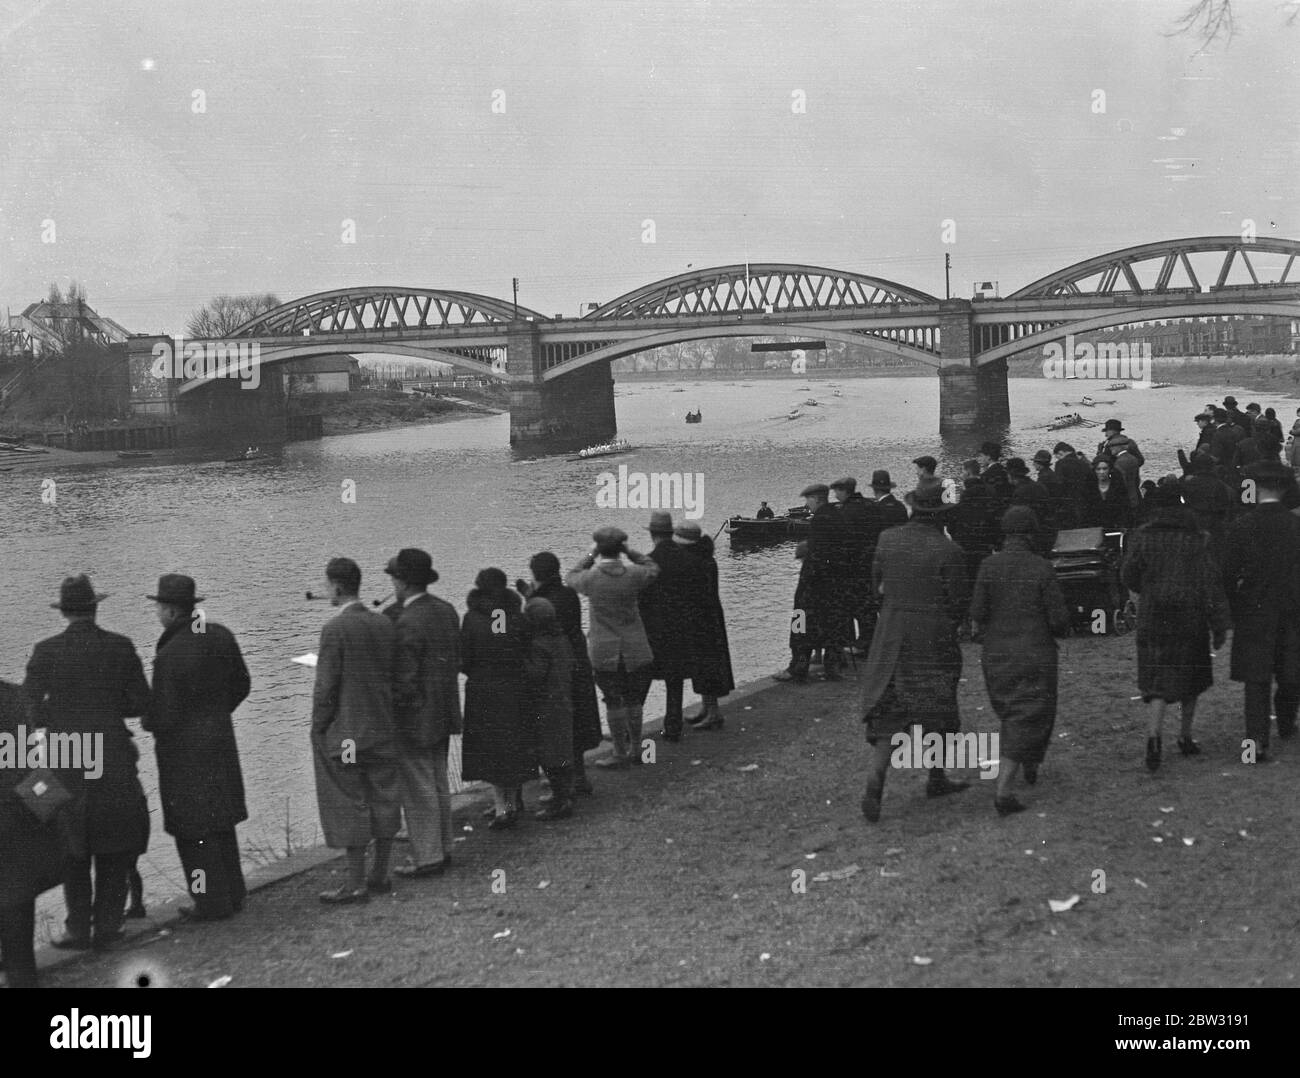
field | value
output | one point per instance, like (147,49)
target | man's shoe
(942,785)
(419,872)
(72,943)
(1006,806)
(345,896)
(504,823)
(560,810)
(1153,753)
(136,911)
(1188,747)
(785,675)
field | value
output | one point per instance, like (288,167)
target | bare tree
(1211,19)
(221,315)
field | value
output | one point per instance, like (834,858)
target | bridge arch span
(753,287)
(377,307)
(682,334)
(1121,317)
(277,354)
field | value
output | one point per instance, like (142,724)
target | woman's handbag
(42,793)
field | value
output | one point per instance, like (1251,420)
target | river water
(257,536)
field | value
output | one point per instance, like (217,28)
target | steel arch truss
(1169,269)
(368,310)
(758,288)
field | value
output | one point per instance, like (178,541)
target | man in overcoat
(354,735)
(914,664)
(1261,574)
(670,608)
(199,678)
(85,682)
(426,707)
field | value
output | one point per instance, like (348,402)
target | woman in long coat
(1170,566)
(1019,610)
(545,568)
(549,666)
(713,676)
(500,740)
(31,854)
(1106,502)
(914,665)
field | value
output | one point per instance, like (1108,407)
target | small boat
(750,531)
(837,393)
(794,413)
(249,455)
(1073,420)
(133,455)
(1087,402)
(1152,385)
(1115,387)
(619,445)
(21,447)
(810,403)
(694,417)
(677,391)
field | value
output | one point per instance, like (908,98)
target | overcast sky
(615,113)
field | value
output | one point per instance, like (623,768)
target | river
(257,536)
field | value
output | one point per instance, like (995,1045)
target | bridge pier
(571,412)
(971,398)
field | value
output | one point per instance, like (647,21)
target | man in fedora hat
(670,611)
(426,708)
(1237,417)
(354,735)
(860,522)
(823,589)
(994,474)
(891,510)
(1261,575)
(85,682)
(1127,459)
(914,664)
(621,657)
(199,678)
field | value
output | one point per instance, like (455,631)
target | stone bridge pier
(972,399)
(569,412)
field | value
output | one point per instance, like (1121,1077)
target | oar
(719,531)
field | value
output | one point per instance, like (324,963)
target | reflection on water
(257,536)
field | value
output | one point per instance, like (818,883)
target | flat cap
(814,488)
(847,483)
(609,535)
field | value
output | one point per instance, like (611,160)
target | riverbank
(740,857)
(383,411)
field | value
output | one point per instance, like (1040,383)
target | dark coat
(713,675)
(825,583)
(1075,475)
(1261,575)
(670,611)
(31,853)
(1020,609)
(549,667)
(1168,563)
(1112,510)
(1211,502)
(198,681)
(892,512)
(426,702)
(87,680)
(352,701)
(586,711)
(500,744)
(915,664)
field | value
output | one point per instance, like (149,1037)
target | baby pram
(1086,562)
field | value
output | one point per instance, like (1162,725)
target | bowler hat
(661,523)
(847,483)
(1207,416)
(880,480)
(687,533)
(928,497)
(1112,424)
(176,590)
(1230,402)
(609,535)
(991,450)
(1016,466)
(1042,457)
(814,488)
(412,566)
(76,596)
(1252,407)
(928,463)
